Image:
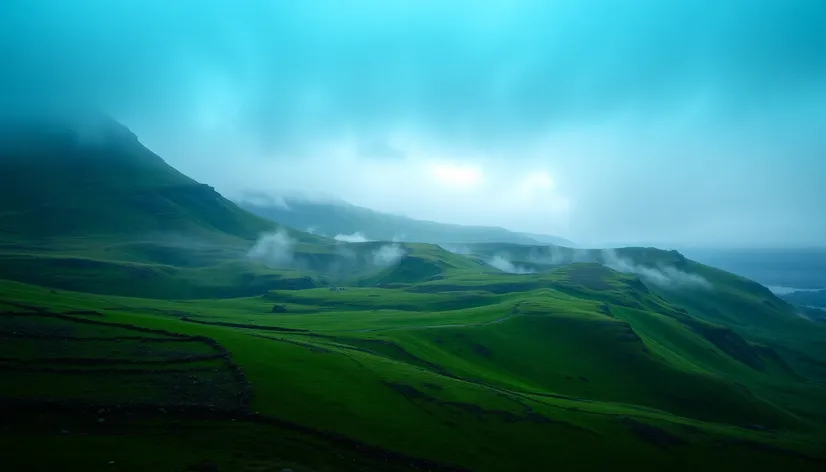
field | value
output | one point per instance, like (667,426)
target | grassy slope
(57,183)
(100,395)
(54,182)
(101,214)
(450,360)
(205,268)
(471,385)
(736,315)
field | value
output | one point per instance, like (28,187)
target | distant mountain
(85,174)
(547,239)
(333,218)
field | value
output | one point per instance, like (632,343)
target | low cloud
(555,255)
(388,255)
(663,276)
(356,237)
(346,260)
(276,250)
(261,199)
(502,263)
(346,252)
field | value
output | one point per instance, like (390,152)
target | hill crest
(84,174)
(336,218)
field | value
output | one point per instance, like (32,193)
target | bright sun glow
(456,175)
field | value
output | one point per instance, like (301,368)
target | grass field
(484,378)
(147,323)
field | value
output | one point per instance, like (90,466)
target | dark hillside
(68,176)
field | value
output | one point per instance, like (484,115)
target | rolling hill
(85,174)
(85,206)
(150,325)
(334,217)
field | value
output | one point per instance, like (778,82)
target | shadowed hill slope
(85,174)
(738,316)
(85,206)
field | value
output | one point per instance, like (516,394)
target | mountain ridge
(335,217)
(54,169)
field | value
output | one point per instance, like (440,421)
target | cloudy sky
(629,121)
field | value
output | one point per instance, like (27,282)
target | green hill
(85,206)
(472,379)
(86,174)
(420,263)
(151,314)
(338,218)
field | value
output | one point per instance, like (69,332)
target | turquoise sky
(674,123)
